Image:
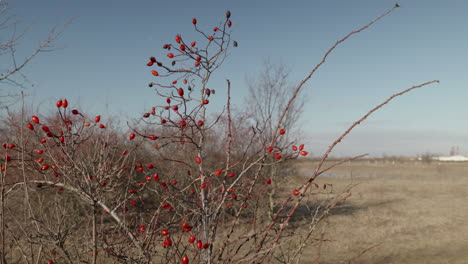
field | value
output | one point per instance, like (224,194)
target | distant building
(451,158)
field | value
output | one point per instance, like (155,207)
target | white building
(451,158)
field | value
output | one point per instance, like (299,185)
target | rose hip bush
(180,186)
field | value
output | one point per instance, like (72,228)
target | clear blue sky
(100,64)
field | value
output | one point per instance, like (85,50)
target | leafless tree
(13,60)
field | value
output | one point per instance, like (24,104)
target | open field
(402,212)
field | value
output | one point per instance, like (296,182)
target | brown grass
(401,212)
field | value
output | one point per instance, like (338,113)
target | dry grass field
(399,212)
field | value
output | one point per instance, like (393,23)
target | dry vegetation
(399,212)
(232,182)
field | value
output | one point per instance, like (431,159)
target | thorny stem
(228,149)
(94,237)
(204,194)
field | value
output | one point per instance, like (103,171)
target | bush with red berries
(180,186)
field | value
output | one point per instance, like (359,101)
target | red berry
(165,232)
(296,192)
(133,202)
(206,245)
(30,126)
(200,123)
(45,167)
(43,141)
(206,101)
(184,260)
(199,244)
(182,47)
(75,112)
(167,242)
(39,151)
(294,148)
(182,123)
(301,147)
(163,121)
(304,153)
(152,59)
(35,119)
(208,92)
(185,81)
(102,126)
(156,177)
(45,129)
(142,228)
(97,119)
(132,136)
(282,131)
(232,174)
(131,191)
(229,23)
(62,139)
(150,63)
(59,103)
(198,159)
(270,149)
(215,29)
(168,100)
(64,103)
(178,39)
(180,91)
(192,239)
(210,38)
(268,181)
(155,73)
(277,156)
(218,172)
(175,108)
(149,166)
(194,21)
(197,63)
(148,178)
(193,44)
(152,137)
